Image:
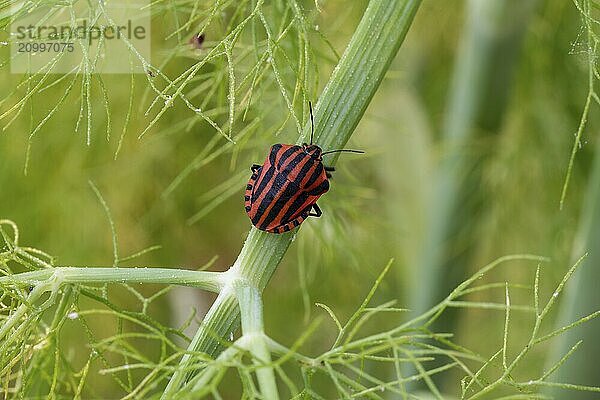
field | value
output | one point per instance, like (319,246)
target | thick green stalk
(339,109)
(582,298)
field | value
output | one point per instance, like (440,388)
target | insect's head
(312,149)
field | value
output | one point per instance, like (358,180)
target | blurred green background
(467,146)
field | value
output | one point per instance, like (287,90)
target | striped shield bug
(283,191)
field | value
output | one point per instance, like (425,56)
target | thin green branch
(506,376)
(210,281)
(592,46)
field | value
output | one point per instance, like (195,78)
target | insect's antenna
(312,123)
(343,150)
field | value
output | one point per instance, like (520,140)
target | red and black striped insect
(283,192)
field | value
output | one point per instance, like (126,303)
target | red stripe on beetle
(277,194)
(292,200)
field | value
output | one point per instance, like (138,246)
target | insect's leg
(317,211)
(328,175)
(255,167)
(329,169)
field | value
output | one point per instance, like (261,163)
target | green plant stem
(342,104)
(534,338)
(16,316)
(253,340)
(250,304)
(221,320)
(582,298)
(201,279)
(204,379)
